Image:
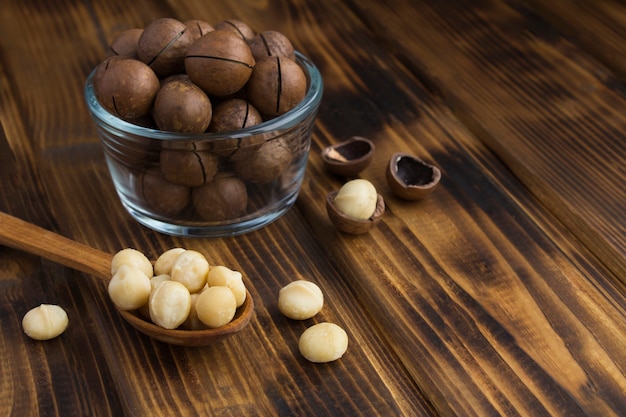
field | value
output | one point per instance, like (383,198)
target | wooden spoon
(28,237)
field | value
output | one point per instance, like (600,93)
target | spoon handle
(19,234)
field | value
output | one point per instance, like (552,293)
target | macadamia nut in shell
(219,62)
(277,85)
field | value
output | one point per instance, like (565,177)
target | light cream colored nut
(323,342)
(216,306)
(222,276)
(300,300)
(134,257)
(45,322)
(129,288)
(169,304)
(193,322)
(164,263)
(190,269)
(357,199)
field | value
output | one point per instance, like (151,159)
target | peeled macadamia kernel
(323,342)
(357,199)
(193,322)
(129,288)
(190,269)
(169,303)
(216,306)
(45,322)
(164,263)
(225,277)
(130,256)
(300,300)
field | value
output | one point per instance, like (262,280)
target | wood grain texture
(533,100)
(490,297)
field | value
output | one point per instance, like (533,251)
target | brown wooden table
(503,293)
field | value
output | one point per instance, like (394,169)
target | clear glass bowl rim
(287,120)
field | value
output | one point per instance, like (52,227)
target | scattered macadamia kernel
(45,322)
(133,257)
(323,342)
(357,199)
(129,288)
(170,303)
(216,306)
(300,300)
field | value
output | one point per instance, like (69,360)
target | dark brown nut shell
(349,224)
(125,43)
(181,106)
(198,28)
(350,157)
(126,87)
(190,168)
(163,46)
(234,114)
(271,43)
(277,85)
(224,198)
(220,63)
(163,197)
(411,178)
(241,29)
(264,164)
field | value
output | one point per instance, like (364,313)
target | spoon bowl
(19,234)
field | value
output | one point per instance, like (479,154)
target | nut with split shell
(351,225)
(411,178)
(350,157)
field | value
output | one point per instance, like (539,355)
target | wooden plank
(532,100)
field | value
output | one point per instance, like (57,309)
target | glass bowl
(260,168)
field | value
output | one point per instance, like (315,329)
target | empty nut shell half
(350,157)
(411,178)
(349,224)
